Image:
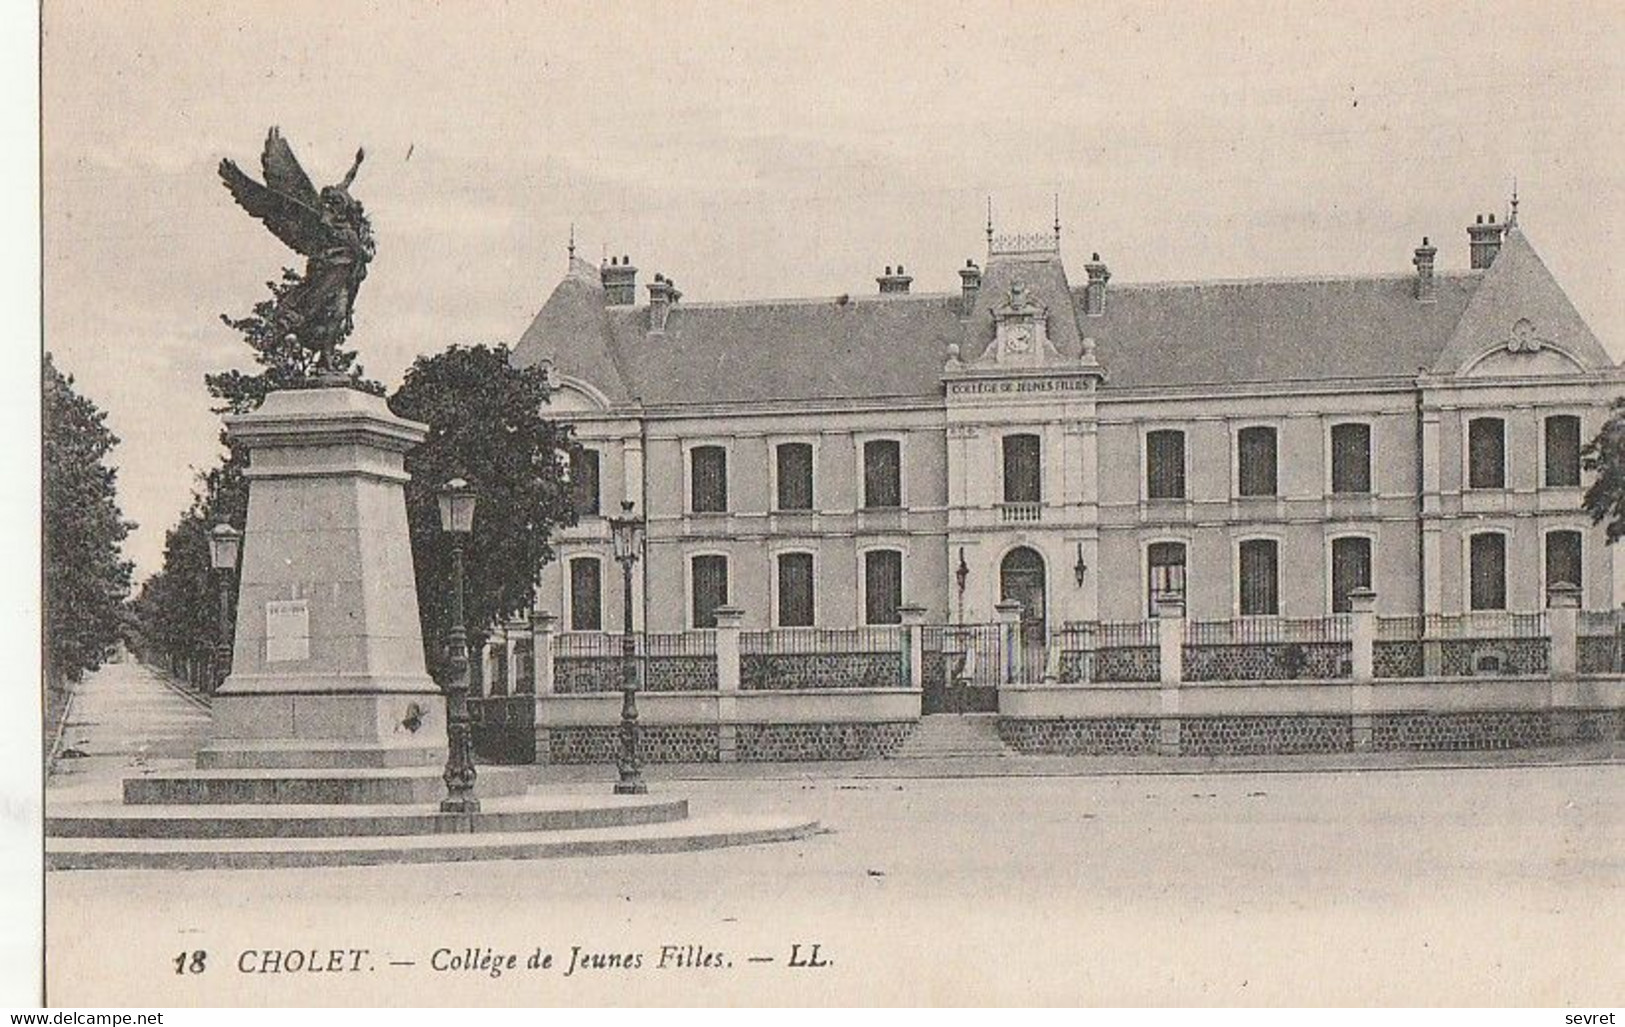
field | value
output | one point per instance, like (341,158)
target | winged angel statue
(329,228)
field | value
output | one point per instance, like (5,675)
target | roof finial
(1512,218)
(990,223)
(572,242)
(1057,219)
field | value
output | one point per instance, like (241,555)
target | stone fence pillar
(1363,606)
(510,640)
(541,650)
(1008,614)
(1563,621)
(913,646)
(491,662)
(1171,659)
(728,674)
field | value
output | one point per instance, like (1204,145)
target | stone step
(524,813)
(349,787)
(264,853)
(954,736)
(282,755)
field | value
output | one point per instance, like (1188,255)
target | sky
(775,149)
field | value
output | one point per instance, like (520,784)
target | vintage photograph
(852,503)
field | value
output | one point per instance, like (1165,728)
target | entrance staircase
(954,736)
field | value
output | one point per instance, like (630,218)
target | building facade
(1262,448)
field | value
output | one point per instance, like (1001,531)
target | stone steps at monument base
(524,813)
(303,755)
(953,736)
(348,787)
(689,835)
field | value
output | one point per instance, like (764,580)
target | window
(710,584)
(1260,581)
(1486,453)
(1351,458)
(1487,554)
(882,586)
(795,590)
(1563,451)
(584,483)
(709,484)
(1023,474)
(1165,464)
(1351,569)
(1563,563)
(586,594)
(1255,462)
(1165,572)
(795,469)
(882,473)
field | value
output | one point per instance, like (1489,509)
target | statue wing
(287,203)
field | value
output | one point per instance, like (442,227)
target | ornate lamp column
(627,532)
(225,543)
(457,520)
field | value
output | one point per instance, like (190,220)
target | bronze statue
(332,231)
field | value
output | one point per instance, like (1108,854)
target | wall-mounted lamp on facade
(1080,568)
(962,572)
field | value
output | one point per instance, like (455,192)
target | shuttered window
(1165,572)
(882,586)
(1563,558)
(584,483)
(1351,458)
(882,473)
(1260,578)
(1255,461)
(710,583)
(1486,453)
(795,590)
(1562,451)
(795,472)
(709,474)
(1165,464)
(586,594)
(1023,474)
(1487,556)
(1351,569)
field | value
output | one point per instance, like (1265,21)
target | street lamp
(626,531)
(225,544)
(457,520)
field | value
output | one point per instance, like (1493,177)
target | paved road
(123,720)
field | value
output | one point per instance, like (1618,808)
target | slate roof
(1177,334)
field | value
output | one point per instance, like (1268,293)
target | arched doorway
(1021,577)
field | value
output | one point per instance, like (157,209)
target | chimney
(970,283)
(663,295)
(620,280)
(1426,288)
(1094,295)
(890,283)
(1485,239)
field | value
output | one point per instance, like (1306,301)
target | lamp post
(225,544)
(457,520)
(627,534)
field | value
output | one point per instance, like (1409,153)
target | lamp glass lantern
(626,533)
(457,501)
(225,545)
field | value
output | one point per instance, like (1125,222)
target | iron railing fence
(1269,630)
(1485,624)
(1601,622)
(884,638)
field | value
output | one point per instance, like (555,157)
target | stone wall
(795,671)
(1265,735)
(1397,659)
(1601,654)
(1524,657)
(657,743)
(577,675)
(775,743)
(1114,736)
(1267,661)
(1479,729)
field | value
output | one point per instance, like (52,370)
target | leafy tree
(485,426)
(85,578)
(1605,454)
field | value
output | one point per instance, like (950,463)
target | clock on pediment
(1021,327)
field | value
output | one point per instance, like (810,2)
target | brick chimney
(1426,287)
(1485,239)
(620,280)
(1094,294)
(663,295)
(970,283)
(890,282)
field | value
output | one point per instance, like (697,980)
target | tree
(485,426)
(1605,455)
(85,578)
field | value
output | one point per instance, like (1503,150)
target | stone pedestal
(327,669)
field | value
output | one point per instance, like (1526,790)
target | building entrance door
(1021,577)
